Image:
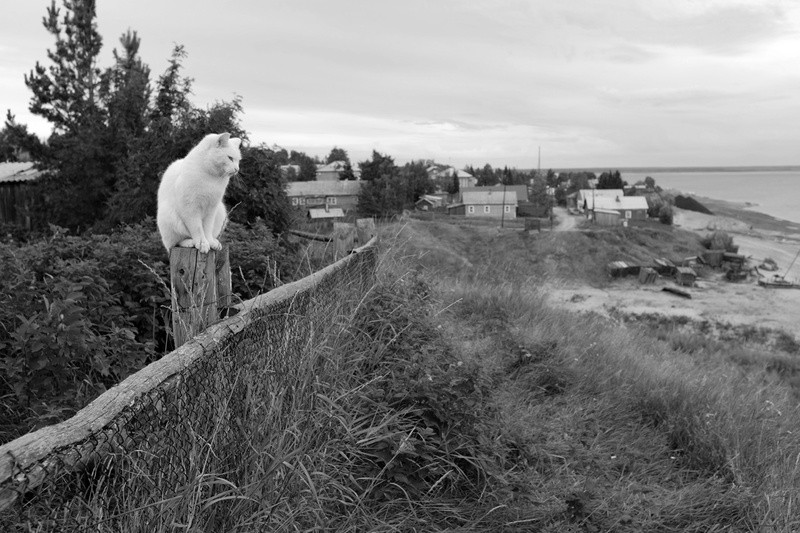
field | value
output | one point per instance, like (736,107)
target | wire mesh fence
(183,427)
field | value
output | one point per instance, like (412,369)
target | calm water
(776,193)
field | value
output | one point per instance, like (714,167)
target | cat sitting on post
(190,208)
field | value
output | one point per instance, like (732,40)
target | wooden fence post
(365,228)
(201,286)
(344,235)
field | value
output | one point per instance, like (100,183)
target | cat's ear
(235,142)
(222,140)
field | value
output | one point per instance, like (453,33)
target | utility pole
(503,212)
(539,162)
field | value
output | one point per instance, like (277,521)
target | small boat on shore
(777,282)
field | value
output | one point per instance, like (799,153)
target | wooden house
(16,193)
(492,203)
(586,198)
(607,217)
(306,195)
(628,207)
(331,171)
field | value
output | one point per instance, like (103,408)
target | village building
(465,179)
(521,190)
(492,203)
(443,176)
(627,207)
(16,196)
(429,202)
(586,197)
(331,171)
(325,195)
(607,217)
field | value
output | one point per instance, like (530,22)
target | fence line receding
(232,387)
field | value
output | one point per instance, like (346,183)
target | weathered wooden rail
(229,388)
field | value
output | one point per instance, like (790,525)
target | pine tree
(66,93)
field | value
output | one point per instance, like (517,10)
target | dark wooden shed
(685,276)
(16,192)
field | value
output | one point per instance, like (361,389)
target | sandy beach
(714,299)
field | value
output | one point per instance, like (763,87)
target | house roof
(621,202)
(588,194)
(321,212)
(431,199)
(333,166)
(489,197)
(323,188)
(17,172)
(521,190)
(447,172)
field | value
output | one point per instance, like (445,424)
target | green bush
(719,240)
(665,215)
(78,314)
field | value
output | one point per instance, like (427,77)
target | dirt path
(566,222)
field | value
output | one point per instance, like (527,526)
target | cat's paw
(215,244)
(203,246)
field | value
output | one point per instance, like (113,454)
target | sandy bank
(714,299)
(758,236)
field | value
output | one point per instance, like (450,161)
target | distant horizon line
(656,170)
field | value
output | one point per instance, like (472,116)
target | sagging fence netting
(175,427)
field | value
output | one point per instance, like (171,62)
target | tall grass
(718,445)
(455,398)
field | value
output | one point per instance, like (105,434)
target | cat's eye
(229,157)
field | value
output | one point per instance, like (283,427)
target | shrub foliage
(80,313)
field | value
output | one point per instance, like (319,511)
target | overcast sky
(594,83)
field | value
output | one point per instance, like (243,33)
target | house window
(331,200)
(627,214)
(507,208)
(470,209)
(487,209)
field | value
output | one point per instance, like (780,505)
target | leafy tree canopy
(379,166)
(347,173)
(337,154)
(16,142)
(307,164)
(610,180)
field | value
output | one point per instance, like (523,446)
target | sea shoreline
(758,235)
(745,213)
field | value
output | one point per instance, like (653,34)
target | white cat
(190,207)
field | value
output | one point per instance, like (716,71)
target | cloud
(627,53)
(673,98)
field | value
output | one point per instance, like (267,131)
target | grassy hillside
(479,253)
(457,399)
(615,427)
